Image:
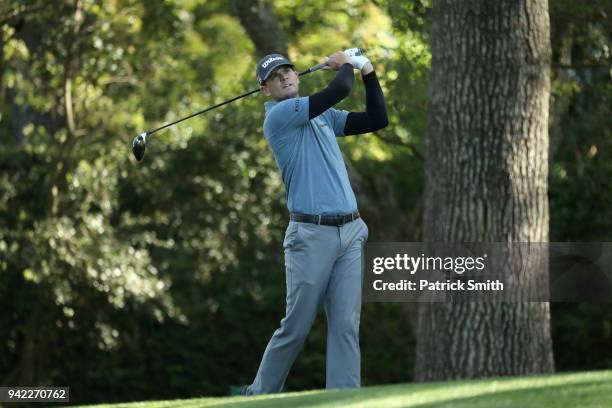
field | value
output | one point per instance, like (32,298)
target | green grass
(587,389)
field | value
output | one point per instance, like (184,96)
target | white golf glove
(358,59)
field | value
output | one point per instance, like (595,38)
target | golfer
(325,234)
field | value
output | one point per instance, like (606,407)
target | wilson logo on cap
(269,60)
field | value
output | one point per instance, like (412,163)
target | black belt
(336,220)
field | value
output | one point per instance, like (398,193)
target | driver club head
(139,145)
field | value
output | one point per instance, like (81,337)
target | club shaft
(202,111)
(150,132)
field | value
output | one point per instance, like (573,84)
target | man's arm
(337,90)
(375,116)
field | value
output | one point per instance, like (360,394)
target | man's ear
(265,90)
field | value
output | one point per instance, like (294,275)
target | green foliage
(580,192)
(167,275)
(581,147)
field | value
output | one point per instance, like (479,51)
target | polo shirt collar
(269,105)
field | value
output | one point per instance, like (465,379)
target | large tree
(486,177)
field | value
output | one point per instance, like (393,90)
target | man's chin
(289,96)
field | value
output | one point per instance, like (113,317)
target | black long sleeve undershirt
(337,90)
(375,116)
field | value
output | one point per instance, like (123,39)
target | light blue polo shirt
(309,158)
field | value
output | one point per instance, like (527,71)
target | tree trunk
(259,20)
(486,178)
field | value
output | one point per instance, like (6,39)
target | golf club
(139,144)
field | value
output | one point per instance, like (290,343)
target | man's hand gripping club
(353,56)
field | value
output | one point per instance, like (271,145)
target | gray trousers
(322,265)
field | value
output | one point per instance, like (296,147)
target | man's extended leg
(343,309)
(310,252)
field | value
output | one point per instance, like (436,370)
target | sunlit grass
(588,389)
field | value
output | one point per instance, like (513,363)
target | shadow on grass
(585,393)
